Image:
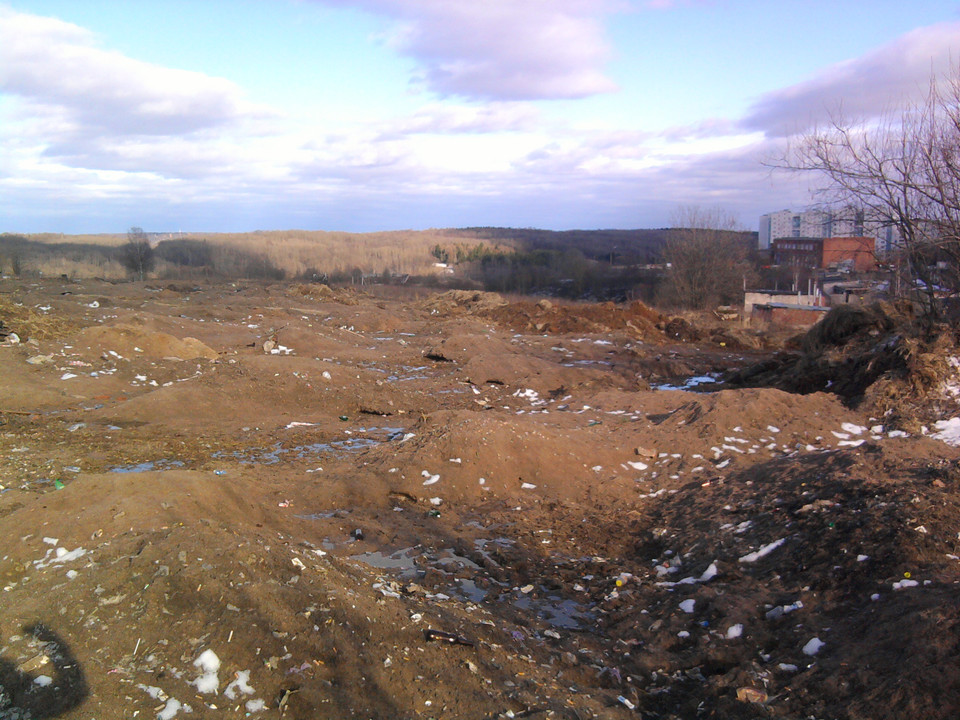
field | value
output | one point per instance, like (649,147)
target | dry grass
(110,240)
(27,323)
(293,251)
(909,398)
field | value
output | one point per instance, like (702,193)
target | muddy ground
(248,501)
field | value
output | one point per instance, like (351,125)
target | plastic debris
(751,695)
(449,638)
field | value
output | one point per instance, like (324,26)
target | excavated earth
(278,501)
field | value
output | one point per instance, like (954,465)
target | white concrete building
(821,224)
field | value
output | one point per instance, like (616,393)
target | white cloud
(446,118)
(863,87)
(57,67)
(502,49)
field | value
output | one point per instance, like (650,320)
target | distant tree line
(177,258)
(708,262)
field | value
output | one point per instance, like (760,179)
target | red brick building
(858,253)
(853,253)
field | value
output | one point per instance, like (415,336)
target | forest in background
(576,264)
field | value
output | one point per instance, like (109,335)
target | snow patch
(239,683)
(209,665)
(762,552)
(948,431)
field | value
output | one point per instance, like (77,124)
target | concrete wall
(787,315)
(761,298)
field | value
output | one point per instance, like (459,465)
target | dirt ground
(278,501)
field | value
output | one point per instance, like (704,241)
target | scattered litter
(449,638)
(751,695)
(781,610)
(813,646)
(905,583)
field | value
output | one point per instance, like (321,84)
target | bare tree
(902,170)
(707,257)
(137,255)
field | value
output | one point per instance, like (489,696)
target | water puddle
(556,611)
(364,439)
(324,515)
(690,383)
(481,544)
(148,466)
(470,591)
(412,563)
(403,561)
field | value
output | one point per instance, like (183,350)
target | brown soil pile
(322,292)
(413,515)
(875,355)
(558,319)
(459,302)
(130,340)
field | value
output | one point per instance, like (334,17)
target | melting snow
(172,707)
(762,552)
(209,664)
(241,684)
(813,646)
(947,430)
(687,605)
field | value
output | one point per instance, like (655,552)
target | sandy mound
(312,520)
(324,293)
(25,388)
(557,319)
(458,302)
(132,340)
(487,359)
(476,456)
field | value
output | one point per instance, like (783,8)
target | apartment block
(822,224)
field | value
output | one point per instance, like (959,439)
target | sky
(367,115)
